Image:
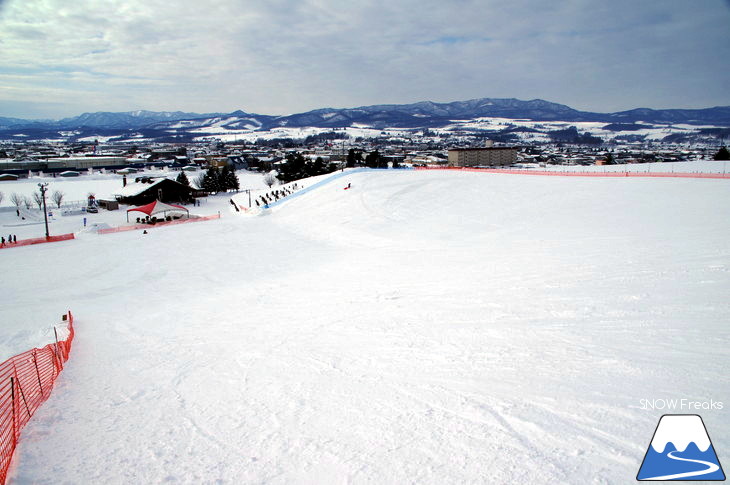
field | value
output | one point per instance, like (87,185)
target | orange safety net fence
(26,381)
(111,230)
(37,240)
(571,173)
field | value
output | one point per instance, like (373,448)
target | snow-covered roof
(136,188)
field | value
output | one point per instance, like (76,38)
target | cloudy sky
(61,58)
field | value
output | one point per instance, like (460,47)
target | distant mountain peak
(421,114)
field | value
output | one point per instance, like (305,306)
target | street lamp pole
(45,211)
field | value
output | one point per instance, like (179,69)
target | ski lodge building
(482,157)
(145,190)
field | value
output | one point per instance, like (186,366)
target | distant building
(216,161)
(477,157)
(238,162)
(80,163)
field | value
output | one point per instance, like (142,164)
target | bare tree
(199,180)
(2,196)
(57,197)
(270,179)
(38,200)
(16,199)
(27,202)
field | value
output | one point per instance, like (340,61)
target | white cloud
(281,56)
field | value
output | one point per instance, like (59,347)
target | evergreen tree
(211,181)
(293,169)
(352,157)
(183,179)
(231,181)
(722,154)
(372,160)
(223,178)
(318,167)
(609,159)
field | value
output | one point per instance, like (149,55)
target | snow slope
(420,327)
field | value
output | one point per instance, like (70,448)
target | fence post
(22,394)
(37,373)
(12,400)
(57,353)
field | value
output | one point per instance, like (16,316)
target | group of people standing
(12,238)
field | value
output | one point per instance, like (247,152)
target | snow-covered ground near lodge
(421,327)
(103,186)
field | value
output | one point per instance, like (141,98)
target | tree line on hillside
(371,160)
(722,154)
(288,142)
(214,180)
(297,167)
(571,135)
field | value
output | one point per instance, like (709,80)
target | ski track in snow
(421,327)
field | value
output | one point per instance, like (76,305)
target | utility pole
(45,211)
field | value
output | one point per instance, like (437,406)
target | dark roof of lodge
(482,148)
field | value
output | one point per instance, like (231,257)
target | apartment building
(478,157)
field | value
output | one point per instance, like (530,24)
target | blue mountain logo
(680,450)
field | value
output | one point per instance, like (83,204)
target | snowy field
(103,186)
(422,327)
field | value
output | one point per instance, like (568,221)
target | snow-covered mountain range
(462,115)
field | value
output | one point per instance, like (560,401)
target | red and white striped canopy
(156,207)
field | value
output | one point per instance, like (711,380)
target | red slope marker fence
(568,173)
(111,230)
(37,240)
(26,381)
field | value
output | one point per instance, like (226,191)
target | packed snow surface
(421,327)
